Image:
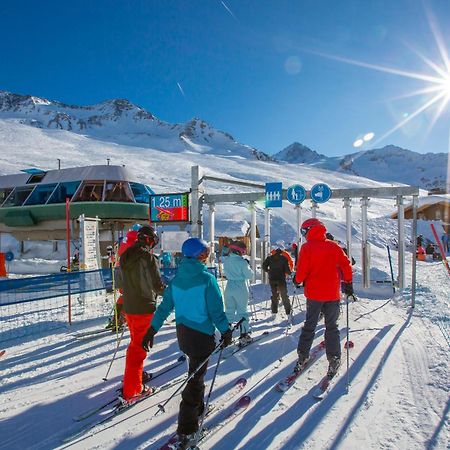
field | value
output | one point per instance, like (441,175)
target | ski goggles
(304,231)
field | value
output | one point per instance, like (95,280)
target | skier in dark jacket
(141,284)
(277,266)
(196,298)
(321,265)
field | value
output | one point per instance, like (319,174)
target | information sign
(169,207)
(296,194)
(320,193)
(274,195)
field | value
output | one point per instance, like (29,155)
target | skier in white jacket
(238,272)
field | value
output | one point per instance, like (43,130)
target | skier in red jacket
(321,264)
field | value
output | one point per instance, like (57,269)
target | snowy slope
(398,394)
(120,121)
(388,164)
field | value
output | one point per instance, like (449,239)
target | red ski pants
(134,364)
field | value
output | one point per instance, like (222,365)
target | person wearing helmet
(237,271)
(195,296)
(280,246)
(321,264)
(277,265)
(141,285)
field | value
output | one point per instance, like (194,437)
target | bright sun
(435,91)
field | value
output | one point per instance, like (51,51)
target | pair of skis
(289,380)
(114,401)
(233,411)
(93,333)
(325,384)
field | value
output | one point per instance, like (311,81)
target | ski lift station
(33,203)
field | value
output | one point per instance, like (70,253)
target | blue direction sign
(296,194)
(274,195)
(320,193)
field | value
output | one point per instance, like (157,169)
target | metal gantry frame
(200,197)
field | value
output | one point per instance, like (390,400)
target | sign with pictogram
(274,195)
(295,194)
(320,193)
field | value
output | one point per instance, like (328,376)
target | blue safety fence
(33,305)
(21,290)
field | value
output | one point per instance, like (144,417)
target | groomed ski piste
(398,397)
(399,367)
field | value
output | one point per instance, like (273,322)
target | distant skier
(238,272)
(321,264)
(429,249)
(419,240)
(141,284)
(281,246)
(196,298)
(278,268)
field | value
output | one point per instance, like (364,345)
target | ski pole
(252,304)
(289,320)
(348,341)
(105,378)
(161,407)
(390,265)
(205,409)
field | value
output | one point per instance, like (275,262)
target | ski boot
(184,442)
(333,367)
(244,339)
(301,363)
(146,392)
(146,377)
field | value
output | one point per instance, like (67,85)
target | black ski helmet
(147,235)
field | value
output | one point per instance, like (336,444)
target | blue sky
(253,68)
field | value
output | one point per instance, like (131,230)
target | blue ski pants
(236,303)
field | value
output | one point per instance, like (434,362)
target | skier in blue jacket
(196,298)
(238,272)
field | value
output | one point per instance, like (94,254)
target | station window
(18,196)
(63,191)
(140,193)
(4,194)
(41,194)
(91,191)
(36,177)
(118,191)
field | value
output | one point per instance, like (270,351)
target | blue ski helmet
(136,227)
(194,247)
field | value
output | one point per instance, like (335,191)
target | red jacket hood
(316,233)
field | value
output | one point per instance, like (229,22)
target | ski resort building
(33,203)
(432,207)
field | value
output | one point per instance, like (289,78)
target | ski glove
(227,338)
(147,341)
(347,288)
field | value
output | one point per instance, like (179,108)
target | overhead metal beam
(381,192)
(237,182)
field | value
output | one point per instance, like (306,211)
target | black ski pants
(278,287)
(331,312)
(191,406)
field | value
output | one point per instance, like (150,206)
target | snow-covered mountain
(122,122)
(387,164)
(299,153)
